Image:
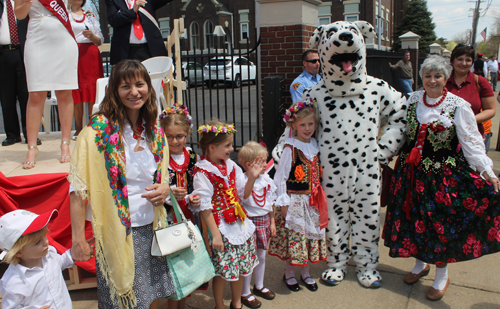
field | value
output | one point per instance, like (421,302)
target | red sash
(58,8)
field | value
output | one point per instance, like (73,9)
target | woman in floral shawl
(443,206)
(120,164)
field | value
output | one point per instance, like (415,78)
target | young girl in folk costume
(301,213)
(177,123)
(215,182)
(259,206)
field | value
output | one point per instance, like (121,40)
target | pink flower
(406,243)
(397,224)
(413,249)
(492,234)
(479,183)
(486,203)
(125,192)
(479,211)
(478,249)
(471,239)
(403,252)
(470,203)
(451,260)
(466,249)
(113,139)
(420,186)
(114,171)
(439,227)
(420,227)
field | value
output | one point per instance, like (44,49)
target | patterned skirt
(262,230)
(152,278)
(235,260)
(454,215)
(295,246)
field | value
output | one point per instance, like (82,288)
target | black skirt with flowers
(450,215)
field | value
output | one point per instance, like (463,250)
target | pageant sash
(58,8)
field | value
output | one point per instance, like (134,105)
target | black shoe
(38,141)
(11,141)
(292,287)
(311,287)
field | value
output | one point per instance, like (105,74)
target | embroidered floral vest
(441,146)
(225,200)
(172,174)
(304,173)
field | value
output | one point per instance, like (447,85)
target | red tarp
(41,193)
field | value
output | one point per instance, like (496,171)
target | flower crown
(225,129)
(294,109)
(177,108)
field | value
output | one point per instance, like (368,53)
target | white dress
(50,54)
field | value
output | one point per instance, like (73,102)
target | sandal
(64,159)
(27,165)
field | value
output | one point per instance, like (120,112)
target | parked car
(229,69)
(192,73)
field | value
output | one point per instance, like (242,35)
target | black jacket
(22,27)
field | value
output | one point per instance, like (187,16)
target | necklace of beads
(260,200)
(180,168)
(140,129)
(438,102)
(78,20)
(222,168)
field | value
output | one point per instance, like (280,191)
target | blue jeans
(406,85)
(487,140)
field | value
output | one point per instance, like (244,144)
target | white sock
(419,266)
(260,270)
(304,272)
(441,278)
(246,286)
(290,274)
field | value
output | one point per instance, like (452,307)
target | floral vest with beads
(304,173)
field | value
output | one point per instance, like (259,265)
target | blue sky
(453,17)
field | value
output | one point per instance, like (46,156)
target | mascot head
(342,53)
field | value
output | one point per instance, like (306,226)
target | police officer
(308,78)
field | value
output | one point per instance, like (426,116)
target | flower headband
(226,129)
(294,109)
(177,108)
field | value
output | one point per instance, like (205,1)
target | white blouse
(465,125)
(78,27)
(263,183)
(179,159)
(236,233)
(310,150)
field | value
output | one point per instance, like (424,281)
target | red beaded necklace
(222,168)
(76,20)
(183,167)
(260,200)
(140,129)
(438,102)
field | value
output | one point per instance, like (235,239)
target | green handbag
(189,269)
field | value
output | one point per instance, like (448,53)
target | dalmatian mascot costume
(353,107)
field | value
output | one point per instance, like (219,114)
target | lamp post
(219,32)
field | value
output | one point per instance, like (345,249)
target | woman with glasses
(472,88)
(444,202)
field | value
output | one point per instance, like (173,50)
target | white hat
(21,222)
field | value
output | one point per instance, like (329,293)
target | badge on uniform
(295,86)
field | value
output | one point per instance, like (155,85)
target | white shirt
(310,150)
(78,27)
(465,125)
(4,25)
(31,288)
(236,233)
(493,66)
(133,38)
(179,159)
(262,184)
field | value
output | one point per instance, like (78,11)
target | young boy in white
(34,277)
(259,207)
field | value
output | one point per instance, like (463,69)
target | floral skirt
(454,215)
(235,260)
(295,246)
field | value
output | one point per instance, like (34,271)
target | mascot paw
(333,276)
(369,278)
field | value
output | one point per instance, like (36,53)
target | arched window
(208,30)
(194,30)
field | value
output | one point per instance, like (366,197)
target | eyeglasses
(312,60)
(463,44)
(178,137)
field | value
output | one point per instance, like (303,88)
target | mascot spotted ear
(353,107)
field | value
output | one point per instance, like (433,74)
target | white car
(230,69)
(192,73)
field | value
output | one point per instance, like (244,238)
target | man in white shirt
(493,69)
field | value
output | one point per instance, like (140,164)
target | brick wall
(281,52)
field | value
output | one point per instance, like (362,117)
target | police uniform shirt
(303,81)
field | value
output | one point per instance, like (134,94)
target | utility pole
(475,20)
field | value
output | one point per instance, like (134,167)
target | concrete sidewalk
(474,284)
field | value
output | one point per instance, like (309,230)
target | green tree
(418,20)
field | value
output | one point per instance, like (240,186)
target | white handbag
(175,237)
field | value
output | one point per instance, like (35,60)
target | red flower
(419,225)
(397,224)
(452,182)
(394,237)
(420,186)
(439,227)
(492,234)
(451,260)
(242,256)
(413,249)
(470,203)
(486,203)
(437,250)
(439,197)
(447,171)
(403,252)
(466,249)
(478,249)
(443,239)
(437,127)
(479,183)
(406,243)
(479,211)
(471,239)
(497,222)
(447,200)
(225,268)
